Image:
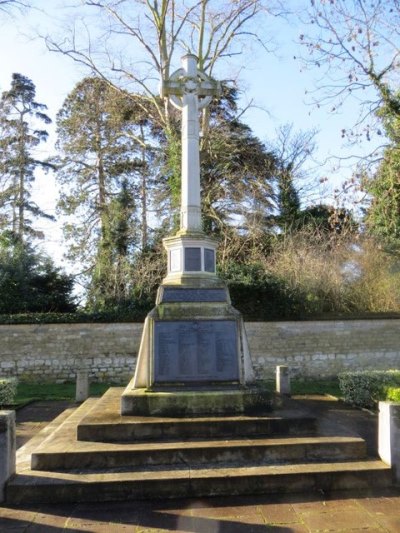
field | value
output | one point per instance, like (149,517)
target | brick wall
(312,349)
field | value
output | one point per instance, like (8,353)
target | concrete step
(133,429)
(102,422)
(40,487)
(92,456)
(175,466)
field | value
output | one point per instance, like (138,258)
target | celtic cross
(190,90)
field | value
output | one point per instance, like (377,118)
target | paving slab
(342,511)
(275,512)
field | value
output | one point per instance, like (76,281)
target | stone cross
(189,90)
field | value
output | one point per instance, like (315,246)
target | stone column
(82,385)
(190,90)
(389,436)
(190,197)
(7,449)
(283,380)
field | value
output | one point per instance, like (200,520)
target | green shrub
(393,394)
(8,389)
(123,315)
(366,388)
(259,295)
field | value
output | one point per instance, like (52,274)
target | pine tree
(21,118)
(103,169)
(29,281)
(383,186)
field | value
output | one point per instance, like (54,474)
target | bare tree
(6,6)
(133,44)
(138,41)
(294,152)
(356,46)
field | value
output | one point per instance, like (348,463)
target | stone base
(195,402)
(389,436)
(92,454)
(7,448)
(194,336)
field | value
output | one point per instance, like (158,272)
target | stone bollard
(82,385)
(389,436)
(7,449)
(283,380)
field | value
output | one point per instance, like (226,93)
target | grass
(28,392)
(320,386)
(323,386)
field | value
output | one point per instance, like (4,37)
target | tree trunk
(144,191)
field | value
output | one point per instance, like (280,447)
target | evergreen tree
(21,118)
(111,282)
(383,186)
(103,169)
(292,150)
(237,170)
(288,200)
(29,282)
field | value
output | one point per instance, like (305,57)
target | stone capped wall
(54,352)
(324,348)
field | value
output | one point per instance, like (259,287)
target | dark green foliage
(132,314)
(121,310)
(29,282)
(28,392)
(315,386)
(259,296)
(291,151)
(21,118)
(288,200)
(8,389)
(237,170)
(327,219)
(142,275)
(105,167)
(383,186)
(366,388)
(383,214)
(112,273)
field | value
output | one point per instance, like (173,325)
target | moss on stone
(145,402)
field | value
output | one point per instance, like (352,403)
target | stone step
(102,422)
(133,429)
(49,487)
(92,456)
(196,401)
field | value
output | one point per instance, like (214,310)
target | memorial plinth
(194,342)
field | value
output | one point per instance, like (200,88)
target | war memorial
(192,421)
(193,337)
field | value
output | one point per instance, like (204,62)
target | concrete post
(283,380)
(82,385)
(7,449)
(389,436)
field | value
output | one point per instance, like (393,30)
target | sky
(273,82)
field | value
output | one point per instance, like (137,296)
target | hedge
(74,318)
(8,390)
(366,388)
(393,394)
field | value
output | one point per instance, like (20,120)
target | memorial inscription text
(195,350)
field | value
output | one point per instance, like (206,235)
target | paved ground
(375,511)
